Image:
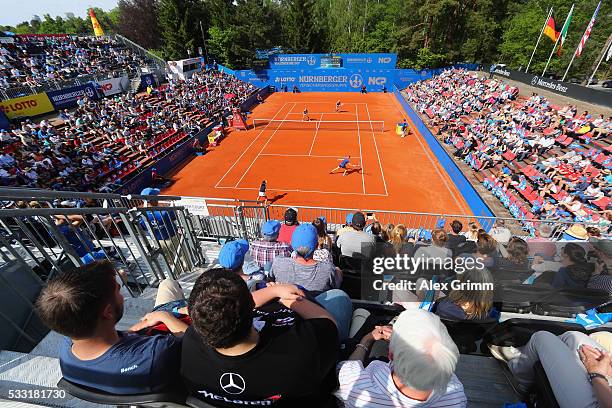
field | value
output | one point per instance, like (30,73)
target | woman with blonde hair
(398,237)
(468,302)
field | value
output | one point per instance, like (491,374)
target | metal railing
(42,233)
(149,238)
(227,218)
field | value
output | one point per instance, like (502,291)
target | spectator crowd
(34,60)
(101,144)
(279,305)
(540,160)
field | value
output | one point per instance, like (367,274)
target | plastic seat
(173,396)
(570,302)
(466,333)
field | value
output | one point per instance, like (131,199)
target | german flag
(550,30)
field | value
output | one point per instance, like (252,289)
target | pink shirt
(285,233)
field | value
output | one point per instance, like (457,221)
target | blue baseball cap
(150,191)
(349,218)
(305,235)
(270,228)
(232,254)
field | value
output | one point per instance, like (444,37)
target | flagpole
(599,63)
(579,42)
(540,37)
(556,42)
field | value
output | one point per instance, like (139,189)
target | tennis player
(338,105)
(262,191)
(345,165)
(305,116)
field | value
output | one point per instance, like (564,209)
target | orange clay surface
(296,158)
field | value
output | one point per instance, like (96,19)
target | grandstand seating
(540,160)
(102,144)
(466,334)
(35,60)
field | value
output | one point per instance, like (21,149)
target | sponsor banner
(332,80)
(4,122)
(332,61)
(146,80)
(114,86)
(30,105)
(7,40)
(574,91)
(68,97)
(195,206)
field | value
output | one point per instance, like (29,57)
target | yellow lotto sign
(30,105)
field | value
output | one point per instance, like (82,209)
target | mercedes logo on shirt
(232,383)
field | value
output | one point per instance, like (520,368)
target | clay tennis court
(296,157)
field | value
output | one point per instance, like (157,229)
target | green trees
(522,28)
(424,33)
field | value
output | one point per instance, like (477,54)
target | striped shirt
(373,386)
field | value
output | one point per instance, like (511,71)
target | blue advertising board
(4,122)
(67,97)
(332,61)
(145,81)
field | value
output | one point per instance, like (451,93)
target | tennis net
(315,125)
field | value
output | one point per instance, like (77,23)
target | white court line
(360,152)
(433,163)
(377,154)
(304,191)
(322,113)
(249,146)
(300,155)
(262,149)
(315,136)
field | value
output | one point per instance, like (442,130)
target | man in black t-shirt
(454,237)
(282,355)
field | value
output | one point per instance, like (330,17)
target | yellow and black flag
(550,30)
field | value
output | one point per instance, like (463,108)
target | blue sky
(16,11)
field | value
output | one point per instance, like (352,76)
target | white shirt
(373,386)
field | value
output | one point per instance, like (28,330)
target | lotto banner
(24,106)
(68,97)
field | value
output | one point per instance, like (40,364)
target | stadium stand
(540,160)
(101,144)
(33,61)
(145,236)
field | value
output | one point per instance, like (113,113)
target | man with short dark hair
(357,243)
(84,304)
(287,228)
(454,237)
(231,359)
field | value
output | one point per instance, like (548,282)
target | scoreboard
(331,61)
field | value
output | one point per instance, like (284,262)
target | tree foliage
(146,32)
(424,33)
